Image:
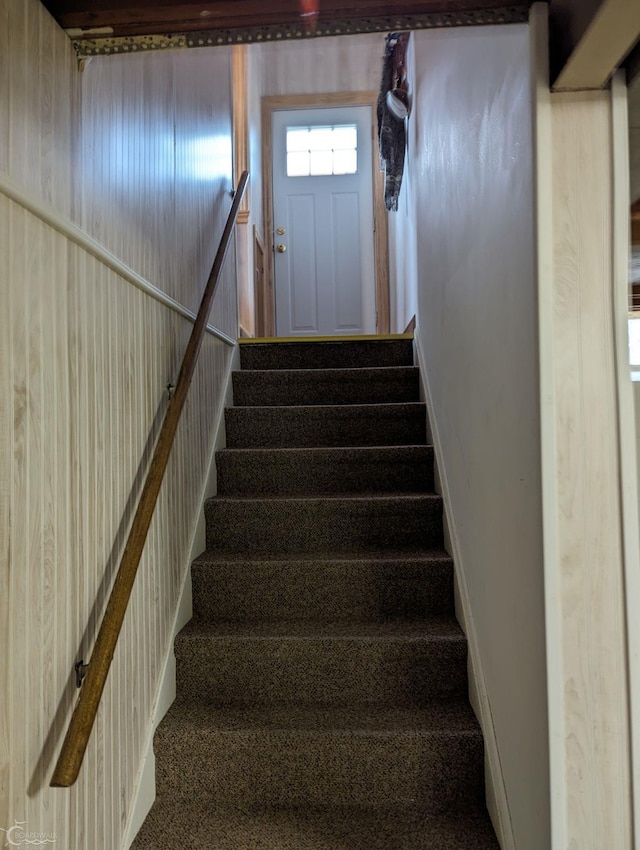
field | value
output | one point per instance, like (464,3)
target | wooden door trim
(273,103)
(260,288)
(240,124)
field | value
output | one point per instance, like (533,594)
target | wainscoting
(136,151)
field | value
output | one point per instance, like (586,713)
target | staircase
(322,683)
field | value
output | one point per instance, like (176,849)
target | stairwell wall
(136,151)
(467,205)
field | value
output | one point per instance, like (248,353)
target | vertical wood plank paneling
(54,473)
(65,648)
(164,165)
(587,499)
(19,592)
(328,64)
(18,93)
(49,489)
(39,84)
(136,150)
(6,448)
(36,478)
(4,89)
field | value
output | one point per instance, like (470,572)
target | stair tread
(332,370)
(323,470)
(312,425)
(312,828)
(442,719)
(440,627)
(377,496)
(337,352)
(402,450)
(374,555)
(346,409)
(334,385)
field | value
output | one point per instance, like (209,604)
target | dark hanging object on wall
(393,108)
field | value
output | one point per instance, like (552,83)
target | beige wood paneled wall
(39,88)
(137,151)
(584,563)
(584,416)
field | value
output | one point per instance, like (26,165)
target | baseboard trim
(496,792)
(145,790)
(411,326)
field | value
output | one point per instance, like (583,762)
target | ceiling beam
(632,65)
(101,28)
(135,17)
(596,37)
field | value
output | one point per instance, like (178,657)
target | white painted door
(323,221)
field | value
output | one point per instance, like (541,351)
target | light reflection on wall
(130,154)
(634,347)
(209,157)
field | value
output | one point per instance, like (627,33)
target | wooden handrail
(84,714)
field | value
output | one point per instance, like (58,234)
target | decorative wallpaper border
(106,45)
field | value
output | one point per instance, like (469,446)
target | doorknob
(281,248)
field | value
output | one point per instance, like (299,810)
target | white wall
(634,138)
(351,63)
(469,185)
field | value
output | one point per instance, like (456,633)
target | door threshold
(340,338)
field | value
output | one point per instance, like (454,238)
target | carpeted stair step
(322,683)
(431,758)
(327,355)
(337,828)
(396,585)
(326,425)
(404,469)
(338,664)
(275,526)
(392,384)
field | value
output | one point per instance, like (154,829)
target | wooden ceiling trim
(101,43)
(228,13)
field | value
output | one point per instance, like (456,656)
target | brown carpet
(322,683)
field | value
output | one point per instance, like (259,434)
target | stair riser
(316,525)
(316,590)
(292,768)
(313,472)
(327,355)
(319,387)
(337,672)
(305,828)
(291,427)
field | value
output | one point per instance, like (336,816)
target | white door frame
(272,103)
